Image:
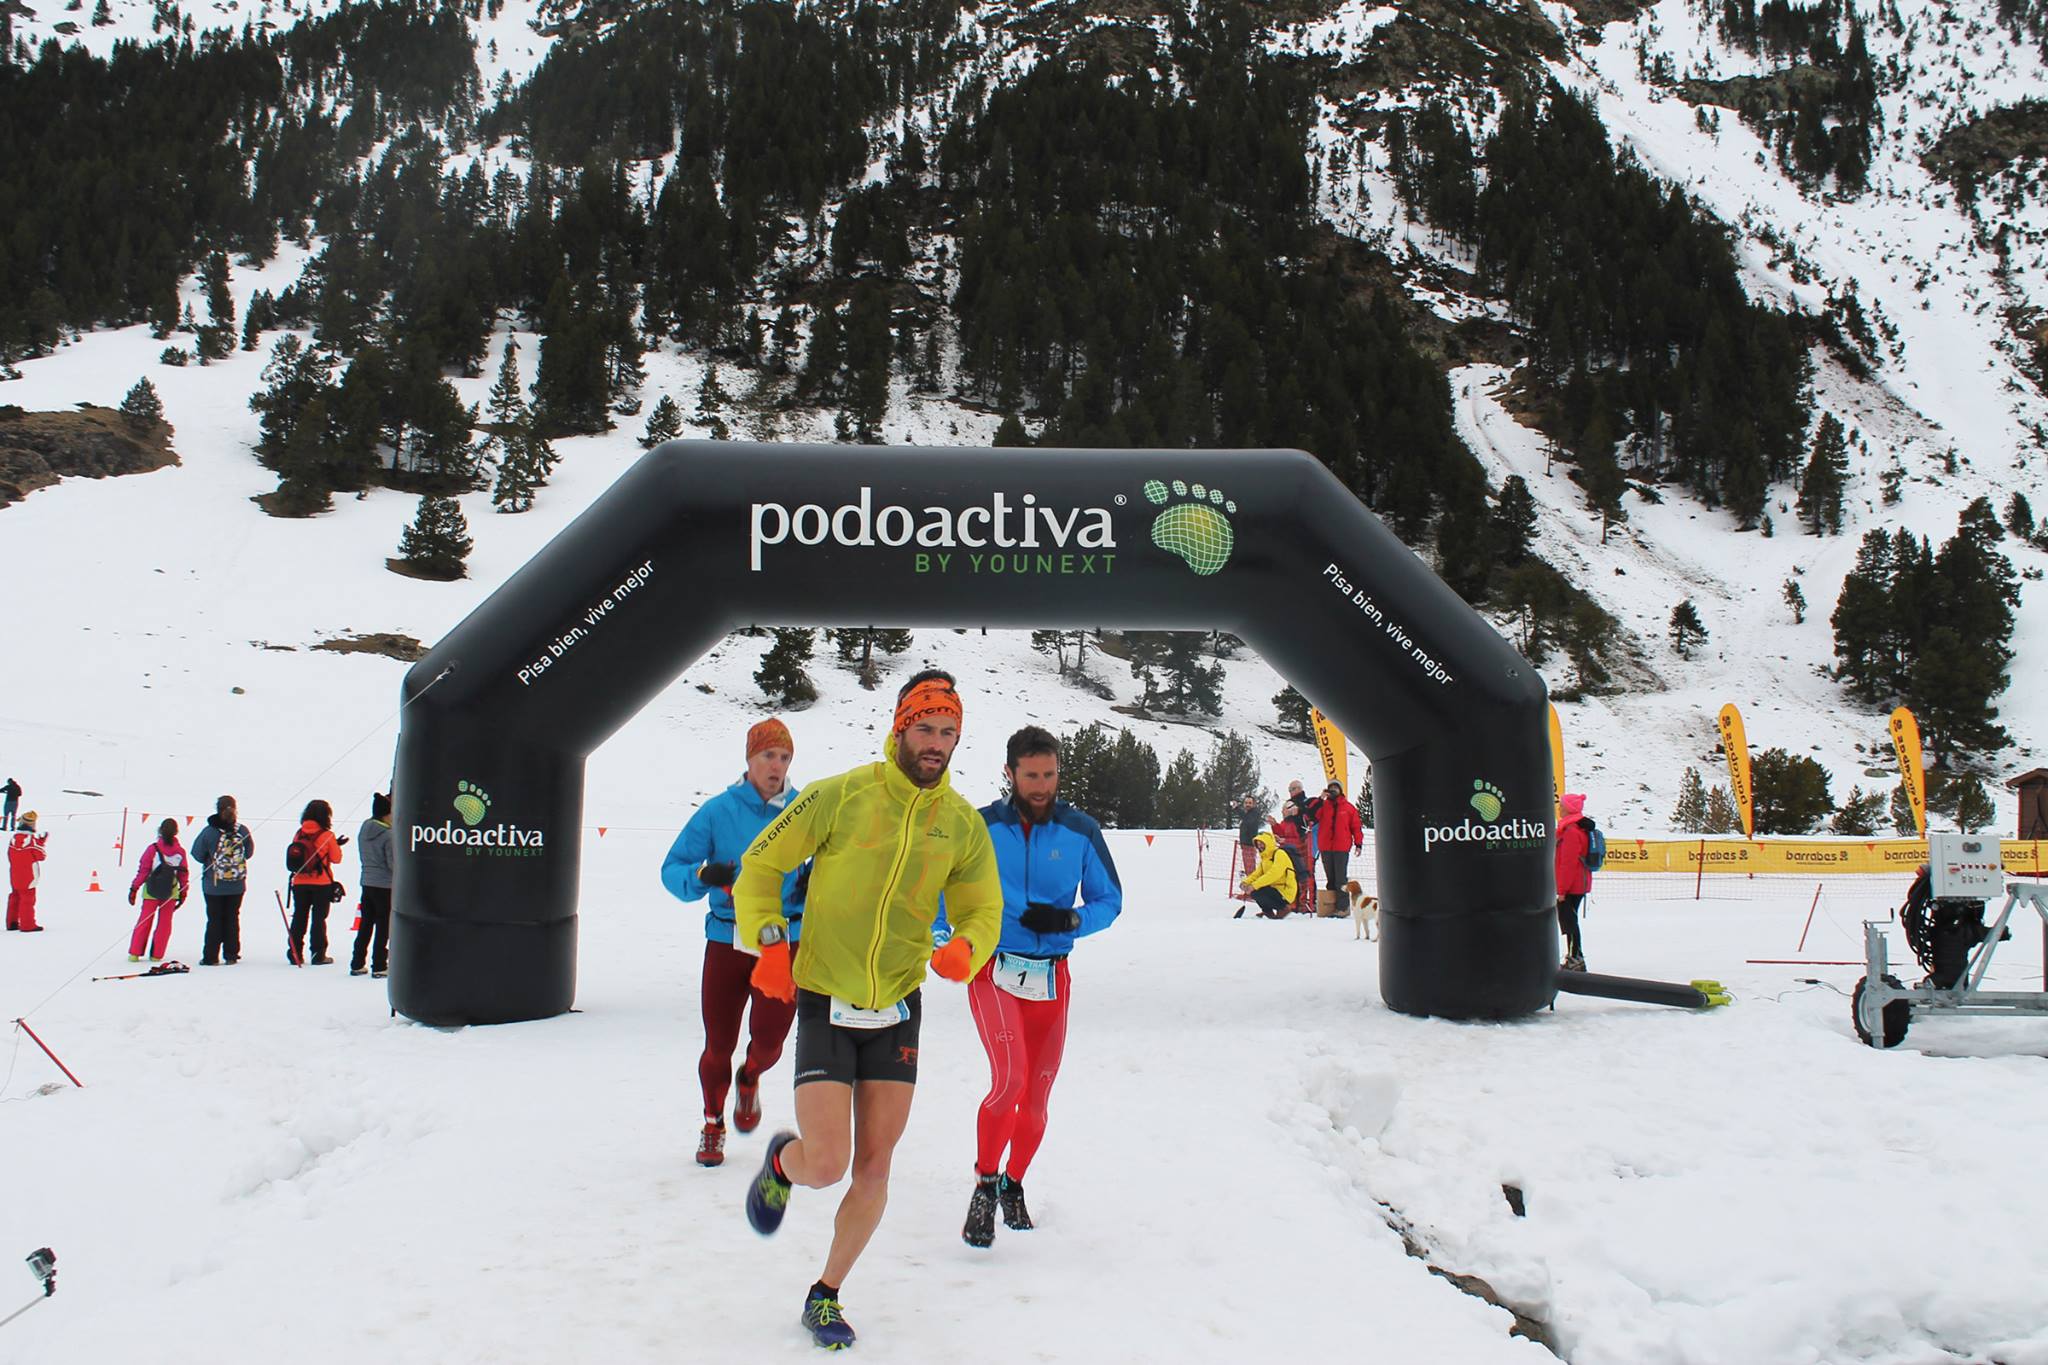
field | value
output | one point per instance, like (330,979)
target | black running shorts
(826,1051)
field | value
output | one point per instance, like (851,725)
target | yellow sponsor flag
(1330,744)
(1737,744)
(1556,769)
(1906,744)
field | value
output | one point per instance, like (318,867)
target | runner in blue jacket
(1059,885)
(704,861)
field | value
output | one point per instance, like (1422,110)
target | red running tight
(1024,1040)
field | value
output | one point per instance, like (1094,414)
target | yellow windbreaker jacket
(1275,869)
(886,849)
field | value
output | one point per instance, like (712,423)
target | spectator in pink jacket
(25,854)
(1574,878)
(163,876)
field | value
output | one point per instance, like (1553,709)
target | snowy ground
(263,1160)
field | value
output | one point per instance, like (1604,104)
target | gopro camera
(42,1263)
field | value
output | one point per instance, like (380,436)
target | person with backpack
(1581,849)
(25,854)
(163,875)
(373,932)
(310,858)
(223,850)
(702,865)
(12,794)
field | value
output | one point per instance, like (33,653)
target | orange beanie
(769,734)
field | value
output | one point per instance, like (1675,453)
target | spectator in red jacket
(163,876)
(1574,878)
(313,881)
(1339,834)
(24,870)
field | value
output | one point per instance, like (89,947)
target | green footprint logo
(472,803)
(1487,799)
(1192,524)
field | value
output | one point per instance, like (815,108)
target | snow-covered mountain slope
(1949,377)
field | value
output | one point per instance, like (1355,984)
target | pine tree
(1688,632)
(1899,810)
(1689,816)
(142,407)
(1293,710)
(1083,759)
(1974,809)
(517,478)
(1513,523)
(1859,814)
(1789,792)
(2019,516)
(1231,773)
(665,423)
(1795,599)
(1722,817)
(1131,778)
(1183,800)
(1827,474)
(437,544)
(782,675)
(1168,665)
(857,646)
(1010,432)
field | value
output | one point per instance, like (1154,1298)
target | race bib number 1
(1027,978)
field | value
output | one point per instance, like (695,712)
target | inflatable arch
(699,538)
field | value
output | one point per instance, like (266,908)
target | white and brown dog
(1365,911)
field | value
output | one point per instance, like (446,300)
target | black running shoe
(981,1213)
(1010,1193)
(829,1327)
(768,1196)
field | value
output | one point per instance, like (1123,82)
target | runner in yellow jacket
(886,840)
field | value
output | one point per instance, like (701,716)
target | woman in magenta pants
(162,877)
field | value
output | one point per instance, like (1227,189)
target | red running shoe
(711,1146)
(746,1107)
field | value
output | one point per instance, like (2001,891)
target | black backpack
(302,853)
(162,882)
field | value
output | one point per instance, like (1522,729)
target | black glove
(341,838)
(802,890)
(717,874)
(1041,918)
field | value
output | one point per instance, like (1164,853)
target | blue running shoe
(829,1327)
(768,1196)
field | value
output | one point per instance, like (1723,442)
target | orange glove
(955,961)
(771,974)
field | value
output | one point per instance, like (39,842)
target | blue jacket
(721,832)
(1049,866)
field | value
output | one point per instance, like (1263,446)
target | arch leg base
(1495,965)
(446,972)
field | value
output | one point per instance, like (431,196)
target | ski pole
(290,952)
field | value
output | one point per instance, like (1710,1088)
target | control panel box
(1964,866)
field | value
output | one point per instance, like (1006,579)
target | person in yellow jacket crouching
(1271,884)
(886,841)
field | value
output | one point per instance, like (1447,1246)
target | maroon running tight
(726,995)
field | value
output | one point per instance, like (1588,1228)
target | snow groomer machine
(1944,922)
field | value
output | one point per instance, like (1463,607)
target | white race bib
(1027,978)
(853,1016)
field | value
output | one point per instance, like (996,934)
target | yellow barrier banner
(1860,857)
(1330,744)
(1906,744)
(1556,769)
(1736,743)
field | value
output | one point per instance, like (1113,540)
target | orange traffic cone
(95,882)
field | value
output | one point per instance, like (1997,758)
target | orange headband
(933,697)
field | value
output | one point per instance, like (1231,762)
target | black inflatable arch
(699,538)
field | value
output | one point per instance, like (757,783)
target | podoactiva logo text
(1514,832)
(997,524)
(472,836)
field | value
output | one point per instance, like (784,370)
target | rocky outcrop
(39,448)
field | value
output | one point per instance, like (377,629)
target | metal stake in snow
(42,1263)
